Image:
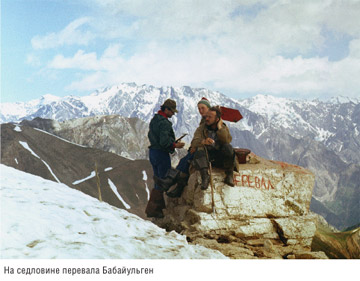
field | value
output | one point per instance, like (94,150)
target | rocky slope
(123,183)
(126,137)
(337,245)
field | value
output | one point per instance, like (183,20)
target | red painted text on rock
(253,182)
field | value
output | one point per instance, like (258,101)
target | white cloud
(240,46)
(79,61)
(354,48)
(72,34)
(33,60)
(198,65)
(343,16)
(294,26)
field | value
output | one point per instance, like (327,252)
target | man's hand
(192,150)
(179,144)
(220,124)
(207,141)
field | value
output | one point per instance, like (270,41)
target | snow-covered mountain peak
(267,105)
(343,99)
(48,98)
(317,119)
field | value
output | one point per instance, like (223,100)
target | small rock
(253,160)
(256,242)
(310,255)
(268,245)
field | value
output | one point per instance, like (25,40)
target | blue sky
(296,49)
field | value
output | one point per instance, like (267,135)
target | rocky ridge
(337,245)
(126,137)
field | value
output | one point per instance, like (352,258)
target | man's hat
(205,101)
(171,104)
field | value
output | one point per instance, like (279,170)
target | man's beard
(212,124)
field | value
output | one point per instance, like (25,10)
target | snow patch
(108,169)
(17,129)
(16,161)
(47,165)
(114,189)
(85,179)
(26,146)
(145,177)
(323,135)
(147,191)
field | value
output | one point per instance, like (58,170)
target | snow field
(49,220)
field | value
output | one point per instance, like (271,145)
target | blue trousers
(160,162)
(184,163)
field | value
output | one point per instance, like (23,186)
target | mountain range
(320,135)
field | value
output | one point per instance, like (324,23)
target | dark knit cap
(205,101)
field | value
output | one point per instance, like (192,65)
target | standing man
(212,143)
(162,143)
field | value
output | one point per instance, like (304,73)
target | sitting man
(212,143)
(181,173)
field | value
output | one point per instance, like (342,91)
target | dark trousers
(184,163)
(222,157)
(160,162)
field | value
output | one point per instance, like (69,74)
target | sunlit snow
(92,174)
(114,189)
(145,177)
(17,129)
(27,147)
(43,219)
(47,165)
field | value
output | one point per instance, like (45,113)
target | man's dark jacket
(161,134)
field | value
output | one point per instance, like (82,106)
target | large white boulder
(270,200)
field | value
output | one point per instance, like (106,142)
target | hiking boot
(170,179)
(155,214)
(229,178)
(205,179)
(155,205)
(177,191)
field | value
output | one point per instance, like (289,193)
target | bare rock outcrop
(265,215)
